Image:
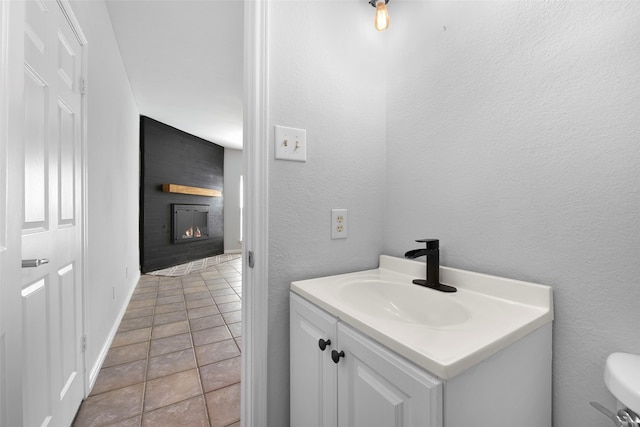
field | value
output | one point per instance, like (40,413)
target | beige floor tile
(176,316)
(206,322)
(217,351)
(197,295)
(147,287)
(208,275)
(143,303)
(170,299)
(194,313)
(169,292)
(133,313)
(223,299)
(171,363)
(120,376)
(171,389)
(232,316)
(169,344)
(192,288)
(171,307)
(165,286)
(220,374)
(131,337)
(229,307)
(126,354)
(191,412)
(191,278)
(146,293)
(220,292)
(130,422)
(136,323)
(202,302)
(111,407)
(220,283)
(224,406)
(235,329)
(208,336)
(170,329)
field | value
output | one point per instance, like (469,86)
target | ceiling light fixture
(381,21)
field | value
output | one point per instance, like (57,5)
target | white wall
(232,224)
(323,78)
(513,136)
(113,180)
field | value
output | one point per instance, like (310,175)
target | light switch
(291,144)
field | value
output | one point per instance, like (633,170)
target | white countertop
(459,330)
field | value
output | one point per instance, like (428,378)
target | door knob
(28,263)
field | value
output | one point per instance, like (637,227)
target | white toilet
(622,378)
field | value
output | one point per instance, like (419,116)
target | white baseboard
(95,370)
(233,251)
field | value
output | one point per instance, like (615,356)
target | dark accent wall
(170,156)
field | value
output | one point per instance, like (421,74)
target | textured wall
(513,135)
(323,78)
(113,177)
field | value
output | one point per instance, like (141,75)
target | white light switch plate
(339,224)
(291,144)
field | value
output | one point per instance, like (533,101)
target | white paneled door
(51,293)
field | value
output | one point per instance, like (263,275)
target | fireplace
(190,223)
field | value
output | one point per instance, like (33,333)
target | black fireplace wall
(170,156)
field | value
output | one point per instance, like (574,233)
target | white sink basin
(445,333)
(622,378)
(402,302)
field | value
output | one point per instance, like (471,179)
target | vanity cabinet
(340,377)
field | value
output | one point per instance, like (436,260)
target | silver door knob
(28,263)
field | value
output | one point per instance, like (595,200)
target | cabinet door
(377,388)
(313,374)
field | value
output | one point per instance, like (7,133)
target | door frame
(74,24)
(84,179)
(255,280)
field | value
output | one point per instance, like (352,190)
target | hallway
(175,360)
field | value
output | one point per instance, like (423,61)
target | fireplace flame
(189,233)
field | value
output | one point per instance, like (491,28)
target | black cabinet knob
(335,356)
(323,344)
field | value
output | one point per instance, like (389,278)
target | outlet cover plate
(291,144)
(339,228)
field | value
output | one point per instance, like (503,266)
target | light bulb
(381,21)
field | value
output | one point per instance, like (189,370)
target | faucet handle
(431,243)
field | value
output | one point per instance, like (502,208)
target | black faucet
(432,251)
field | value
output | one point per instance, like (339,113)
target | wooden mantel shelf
(196,191)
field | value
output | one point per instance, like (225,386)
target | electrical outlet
(291,144)
(339,229)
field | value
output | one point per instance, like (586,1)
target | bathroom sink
(401,302)
(445,333)
(622,378)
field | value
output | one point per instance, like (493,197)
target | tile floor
(175,360)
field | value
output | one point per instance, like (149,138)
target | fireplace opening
(190,223)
